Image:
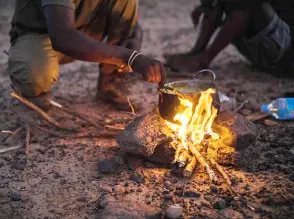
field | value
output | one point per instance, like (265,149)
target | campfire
(190,129)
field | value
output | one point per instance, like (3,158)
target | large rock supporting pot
(148,136)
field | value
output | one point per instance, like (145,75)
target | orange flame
(194,124)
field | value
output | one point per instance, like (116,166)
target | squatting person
(262,30)
(46,33)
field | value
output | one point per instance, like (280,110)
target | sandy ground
(58,177)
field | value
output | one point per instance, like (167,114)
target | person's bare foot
(188,62)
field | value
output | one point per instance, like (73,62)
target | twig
(114,128)
(75,114)
(41,112)
(241,106)
(9,149)
(224,175)
(119,121)
(130,104)
(12,133)
(229,183)
(50,132)
(28,137)
(6,132)
(257,116)
(94,135)
(5,52)
(202,162)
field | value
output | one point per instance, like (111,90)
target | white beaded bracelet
(132,58)
(132,61)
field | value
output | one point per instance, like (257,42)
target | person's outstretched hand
(152,70)
(189,63)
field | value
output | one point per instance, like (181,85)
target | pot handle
(206,70)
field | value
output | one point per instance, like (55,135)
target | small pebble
(137,178)
(220,204)
(105,200)
(167,183)
(19,166)
(174,211)
(168,197)
(179,187)
(119,189)
(214,189)
(190,194)
(291,177)
(15,197)
(119,160)
(106,188)
(107,166)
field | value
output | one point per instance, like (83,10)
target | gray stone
(107,166)
(19,166)
(104,200)
(220,204)
(235,130)
(119,160)
(143,135)
(174,211)
(163,153)
(213,189)
(15,197)
(129,210)
(138,178)
(106,188)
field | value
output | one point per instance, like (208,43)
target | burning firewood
(203,163)
(190,167)
(183,158)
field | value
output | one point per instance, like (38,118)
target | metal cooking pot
(169,103)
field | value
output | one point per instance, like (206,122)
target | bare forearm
(77,45)
(206,30)
(232,27)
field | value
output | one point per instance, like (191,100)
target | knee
(32,78)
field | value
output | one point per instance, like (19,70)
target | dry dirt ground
(57,177)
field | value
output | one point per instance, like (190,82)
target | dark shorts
(266,48)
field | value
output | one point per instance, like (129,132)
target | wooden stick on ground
(229,183)
(224,175)
(6,132)
(50,132)
(114,128)
(4,150)
(41,112)
(202,162)
(28,138)
(75,114)
(94,135)
(13,133)
(240,107)
(257,116)
(132,108)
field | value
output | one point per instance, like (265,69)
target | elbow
(59,40)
